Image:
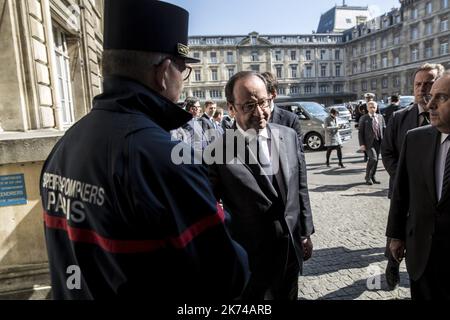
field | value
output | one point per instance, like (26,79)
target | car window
(314,109)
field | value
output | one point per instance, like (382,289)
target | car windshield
(339,109)
(314,109)
(381,105)
(404,101)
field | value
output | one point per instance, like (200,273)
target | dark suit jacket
(389,111)
(402,121)
(288,119)
(227,123)
(365,130)
(414,205)
(208,128)
(249,197)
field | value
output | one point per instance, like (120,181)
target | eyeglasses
(183,68)
(251,106)
(439,98)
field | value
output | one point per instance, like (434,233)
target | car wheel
(314,141)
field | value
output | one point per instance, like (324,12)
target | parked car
(342,110)
(406,101)
(312,118)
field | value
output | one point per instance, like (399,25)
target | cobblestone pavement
(350,218)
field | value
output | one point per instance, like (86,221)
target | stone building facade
(308,66)
(382,54)
(50,56)
(50,71)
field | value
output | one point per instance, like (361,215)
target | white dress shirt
(440,163)
(264,140)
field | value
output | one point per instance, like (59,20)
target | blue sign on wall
(12,190)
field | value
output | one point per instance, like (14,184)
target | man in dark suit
(419,219)
(228,120)
(290,120)
(401,122)
(370,132)
(260,181)
(391,108)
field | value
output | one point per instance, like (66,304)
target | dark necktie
(446,179)
(425,117)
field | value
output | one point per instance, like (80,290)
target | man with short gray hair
(122,220)
(401,122)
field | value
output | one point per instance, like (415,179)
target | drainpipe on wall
(85,52)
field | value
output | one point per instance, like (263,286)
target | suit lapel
(430,163)
(255,169)
(279,160)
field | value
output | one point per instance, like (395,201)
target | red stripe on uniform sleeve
(134,246)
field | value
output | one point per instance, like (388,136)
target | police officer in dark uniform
(122,220)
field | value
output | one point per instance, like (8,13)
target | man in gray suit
(401,122)
(371,128)
(258,177)
(419,219)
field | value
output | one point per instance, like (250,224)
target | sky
(240,17)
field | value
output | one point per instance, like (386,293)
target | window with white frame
(64,86)
(293,55)
(429,7)
(396,59)
(443,48)
(230,57)
(323,88)
(373,84)
(323,54)
(384,42)
(338,70)
(444,4)
(363,65)
(414,13)
(281,91)
(213,57)
(215,94)
(308,88)
(373,44)
(323,70)
(373,63)
(308,72)
(197,55)
(414,33)
(294,71)
(255,56)
(277,55)
(384,61)
(428,50)
(444,24)
(384,83)
(364,85)
(294,90)
(230,72)
(354,89)
(396,81)
(214,75)
(308,55)
(254,67)
(355,68)
(338,88)
(197,75)
(199,94)
(337,54)
(414,54)
(279,71)
(397,38)
(428,28)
